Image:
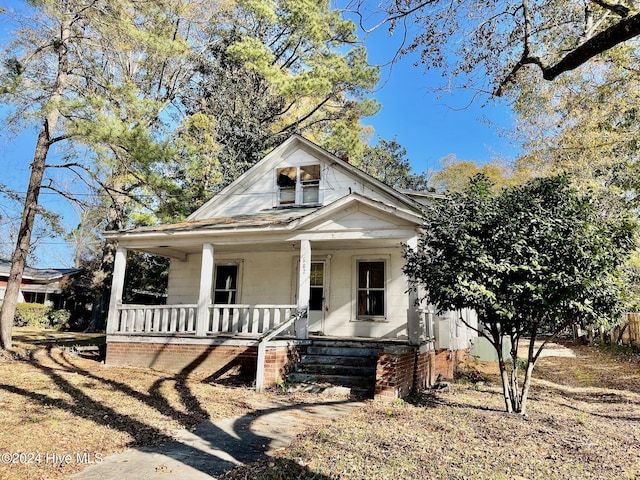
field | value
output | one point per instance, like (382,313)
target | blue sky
(428,126)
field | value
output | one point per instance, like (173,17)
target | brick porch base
(210,360)
(400,368)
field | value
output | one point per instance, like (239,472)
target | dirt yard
(583,422)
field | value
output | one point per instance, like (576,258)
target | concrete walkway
(213,448)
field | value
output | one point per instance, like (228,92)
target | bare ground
(583,422)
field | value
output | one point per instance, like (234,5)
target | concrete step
(353,361)
(342,351)
(329,389)
(368,371)
(342,380)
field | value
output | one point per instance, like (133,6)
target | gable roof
(270,161)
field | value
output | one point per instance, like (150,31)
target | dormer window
(298,185)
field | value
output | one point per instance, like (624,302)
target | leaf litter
(583,422)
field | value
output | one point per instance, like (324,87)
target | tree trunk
(525,387)
(504,375)
(19,256)
(104,276)
(506,388)
(102,289)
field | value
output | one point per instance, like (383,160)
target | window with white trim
(298,185)
(226,284)
(370,289)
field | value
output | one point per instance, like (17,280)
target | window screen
(310,180)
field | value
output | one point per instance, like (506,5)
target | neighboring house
(39,285)
(295,267)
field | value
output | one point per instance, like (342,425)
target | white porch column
(117,285)
(304,285)
(206,284)
(415,316)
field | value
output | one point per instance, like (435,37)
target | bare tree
(485,45)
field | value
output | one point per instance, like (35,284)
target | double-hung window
(370,289)
(226,285)
(298,185)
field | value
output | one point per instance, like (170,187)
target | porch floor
(252,339)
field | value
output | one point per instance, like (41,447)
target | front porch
(206,329)
(260,342)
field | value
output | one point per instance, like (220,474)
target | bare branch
(622,31)
(66,195)
(613,7)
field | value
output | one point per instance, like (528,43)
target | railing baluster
(136,321)
(225,320)
(234,317)
(255,320)
(191,321)
(164,323)
(131,318)
(244,325)
(181,319)
(215,322)
(230,319)
(173,321)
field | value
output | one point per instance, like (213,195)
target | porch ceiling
(181,251)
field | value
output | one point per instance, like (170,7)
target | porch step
(341,380)
(347,361)
(336,369)
(326,364)
(316,349)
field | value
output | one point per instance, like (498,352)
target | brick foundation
(394,373)
(210,360)
(402,370)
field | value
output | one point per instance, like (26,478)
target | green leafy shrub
(31,315)
(59,318)
(36,315)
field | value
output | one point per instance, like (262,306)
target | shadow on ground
(203,448)
(214,448)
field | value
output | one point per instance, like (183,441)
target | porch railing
(427,324)
(247,319)
(267,337)
(156,319)
(252,320)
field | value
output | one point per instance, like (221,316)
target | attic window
(299,185)
(287,182)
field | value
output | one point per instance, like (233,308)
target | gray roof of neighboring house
(37,274)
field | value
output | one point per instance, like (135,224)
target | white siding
(269,278)
(262,191)
(184,280)
(341,319)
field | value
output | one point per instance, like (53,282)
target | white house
(296,264)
